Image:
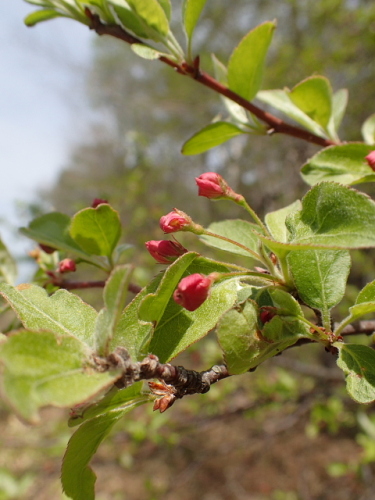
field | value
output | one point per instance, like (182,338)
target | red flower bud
(193,290)
(267,313)
(98,201)
(165,251)
(371,160)
(213,186)
(175,221)
(67,266)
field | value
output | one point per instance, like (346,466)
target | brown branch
(276,125)
(76,285)
(175,381)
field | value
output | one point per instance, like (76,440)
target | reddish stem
(276,125)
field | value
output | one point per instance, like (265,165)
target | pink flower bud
(165,251)
(67,266)
(371,160)
(267,313)
(175,221)
(213,186)
(193,290)
(98,201)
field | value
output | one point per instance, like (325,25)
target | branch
(76,285)
(276,125)
(175,381)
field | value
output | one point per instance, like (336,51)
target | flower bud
(267,313)
(175,221)
(98,201)
(371,160)
(165,251)
(214,187)
(67,266)
(193,290)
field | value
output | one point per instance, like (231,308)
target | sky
(41,107)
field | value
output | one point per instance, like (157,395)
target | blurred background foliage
(286,431)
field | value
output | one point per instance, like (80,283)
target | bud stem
(243,203)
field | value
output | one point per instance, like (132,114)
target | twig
(276,125)
(76,285)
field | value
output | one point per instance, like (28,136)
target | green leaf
(53,230)
(314,97)
(63,313)
(129,19)
(245,68)
(8,267)
(237,336)
(78,479)
(41,15)
(131,332)
(280,100)
(339,104)
(146,52)
(96,230)
(153,306)
(276,221)
(364,304)
(43,368)
(115,399)
(213,135)
(368,130)
(151,12)
(320,276)
(358,364)
(179,328)
(236,230)
(166,6)
(115,292)
(345,164)
(192,10)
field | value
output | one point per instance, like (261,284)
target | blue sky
(41,95)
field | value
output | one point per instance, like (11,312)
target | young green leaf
(276,221)
(345,164)
(279,99)
(245,68)
(314,97)
(368,130)
(339,103)
(78,479)
(320,276)
(8,267)
(146,52)
(63,313)
(128,19)
(115,292)
(191,12)
(43,368)
(364,304)
(211,136)
(166,6)
(96,230)
(358,364)
(236,230)
(53,230)
(152,14)
(41,15)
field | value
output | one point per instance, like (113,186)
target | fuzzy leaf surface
(43,368)
(345,164)
(114,294)
(276,221)
(96,230)
(314,97)
(63,313)
(320,276)
(358,364)
(245,68)
(209,137)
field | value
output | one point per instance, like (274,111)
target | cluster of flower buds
(211,185)
(371,160)
(165,251)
